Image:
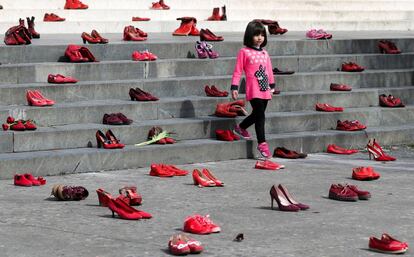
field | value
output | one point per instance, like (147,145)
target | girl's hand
(234,94)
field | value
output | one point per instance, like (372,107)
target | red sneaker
(328,108)
(178,246)
(223,135)
(332,148)
(198,224)
(158,171)
(268,165)
(177,171)
(341,193)
(52,17)
(340,87)
(387,244)
(20,180)
(364,173)
(194,245)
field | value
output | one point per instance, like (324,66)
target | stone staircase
(108,16)
(59,145)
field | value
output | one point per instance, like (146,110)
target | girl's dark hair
(254,28)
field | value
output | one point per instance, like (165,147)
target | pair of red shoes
(52,17)
(181,245)
(75,4)
(143,56)
(231,109)
(134,34)
(226,135)
(35,98)
(138,94)
(365,173)
(202,225)
(388,47)
(215,92)
(93,38)
(390,101)
(268,165)
(377,152)
(187,27)
(284,199)
(216,14)
(340,87)
(160,5)
(347,125)
(108,140)
(19,125)
(205,178)
(351,67)
(350,193)
(166,170)
(332,148)
(207,35)
(60,79)
(283,152)
(79,54)
(128,194)
(328,108)
(116,119)
(28,180)
(120,206)
(387,244)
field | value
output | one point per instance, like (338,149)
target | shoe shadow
(325,197)
(369,250)
(179,229)
(52,198)
(166,251)
(266,208)
(93,205)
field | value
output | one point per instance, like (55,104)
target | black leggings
(257,117)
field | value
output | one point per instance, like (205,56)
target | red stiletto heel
(283,203)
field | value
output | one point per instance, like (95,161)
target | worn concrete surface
(33,225)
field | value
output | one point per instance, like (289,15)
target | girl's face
(258,40)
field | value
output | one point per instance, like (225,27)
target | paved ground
(32,224)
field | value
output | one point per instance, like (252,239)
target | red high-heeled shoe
(103,197)
(96,35)
(201,180)
(39,95)
(89,38)
(377,152)
(34,100)
(102,140)
(111,137)
(210,175)
(125,206)
(124,213)
(283,203)
(290,198)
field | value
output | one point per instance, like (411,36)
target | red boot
(216,15)
(30,24)
(185,28)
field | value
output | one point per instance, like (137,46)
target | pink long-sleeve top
(257,67)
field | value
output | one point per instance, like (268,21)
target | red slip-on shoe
(177,171)
(111,119)
(268,165)
(194,245)
(20,180)
(29,125)
(121,202)
(219,92)
(332,148)
(207,173)
(140,19)
(362,195)
(322,107)
(31,178)
(201,180)
(283,152)
(138,96)
(387,244)
(39,95)
(341,193)
(158,171)
(340,87)
(365,173)
(223,135)
(351,67)
(178,246)
(124,118)
(52,18)
(130,193)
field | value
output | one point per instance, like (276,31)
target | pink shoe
(264,150)
(315,34)
(242,132)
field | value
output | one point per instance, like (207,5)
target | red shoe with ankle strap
(130,193)
(20,180)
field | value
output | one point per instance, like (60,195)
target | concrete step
(50,47)
(78,135)
(58,162)
(120,70)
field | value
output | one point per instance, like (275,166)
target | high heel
(103,197)
(103,141)
(123,213)
(126,207)
(90,39)
(39,95)
(34,100)
(201,52)
(377,152)
(96,35)
(290,198)
(283,204)
(111,137)
(201,180)
(210,175)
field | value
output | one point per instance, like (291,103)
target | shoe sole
(345,199)
(364,197)
(382,251)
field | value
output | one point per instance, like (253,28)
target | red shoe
(209,174)
(75,4)
(90,39)
(218,92)
(328,108)
(387,244)
(103,197)
(362,195)
(268,165)
(111,119)
(201,180)
(281,200)
(140,19)
(202,225)
(138,96)
(185,28)
(148,95)
(194,245)
(341,193)
(150,56)
(124,211)
(20,180)
(207,35)
(18,126)
(390,101)
(60,79)
(103,141)
(283,152)
(158,171)
(210,92)
(39,95)
(178,246)
(216,15)
(340,87)
(96,35)
(114,141)
(52,17)
(169,140)
(223,135)
(31,25)
(163,5)
(332,148)
(172,168)
(134,34)
(350,125)
(34,100)
(41,180)
(388,47)
(377,152)
(234,136)
(130,193)
(351,67)
(137,56)
(28,125)
(290,198)
(364,173)
(31,178)
(156,6)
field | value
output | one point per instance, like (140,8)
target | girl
(256,64)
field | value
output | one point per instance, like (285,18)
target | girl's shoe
(242,132)
(264,150)
(210,175)
(377,152)
(201,180)
(194,245)
(284,205)
(31,178)
(89,38)
(125,205)
(96,35)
